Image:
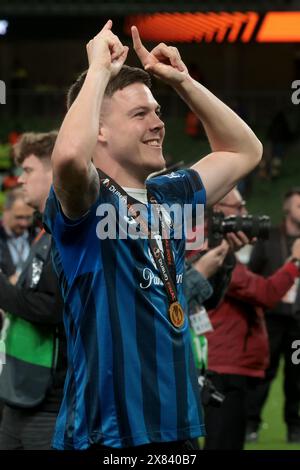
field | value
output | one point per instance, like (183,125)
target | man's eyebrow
(143,108)
(138,108)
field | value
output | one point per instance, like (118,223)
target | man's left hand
(238,240)
(163,61)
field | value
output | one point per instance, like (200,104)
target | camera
(250,225)
(209,393)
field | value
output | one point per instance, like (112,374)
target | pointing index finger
(107,26)
(138,45)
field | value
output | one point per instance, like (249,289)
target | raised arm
(235,148)
(258,290)
(265,292)
(74,175)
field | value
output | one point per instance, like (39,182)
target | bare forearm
(225,130)
(77,137)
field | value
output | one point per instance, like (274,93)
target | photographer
(238,345)
(207,278)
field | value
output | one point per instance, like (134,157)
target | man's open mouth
(153,143)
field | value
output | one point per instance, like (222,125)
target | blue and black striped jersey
(131,377)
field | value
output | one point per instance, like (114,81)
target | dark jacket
(269,255)
(7,266)
(239,342)
(209,293)
(36,298)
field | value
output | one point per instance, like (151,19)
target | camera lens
(252,226)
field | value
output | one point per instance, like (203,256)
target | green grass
(272,435)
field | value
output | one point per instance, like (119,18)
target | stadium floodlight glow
(3,27)
(195,27)
(280,26)
(219,27)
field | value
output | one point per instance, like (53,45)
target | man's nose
(21,179)
(157,124)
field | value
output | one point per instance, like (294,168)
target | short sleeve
(57,223)
(181,187)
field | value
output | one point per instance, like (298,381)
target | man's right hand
(239,240)
(163,61)
(209,263)
(75,178)
(105,50)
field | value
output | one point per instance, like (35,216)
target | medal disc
(176,314)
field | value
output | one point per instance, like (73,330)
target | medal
(176,314)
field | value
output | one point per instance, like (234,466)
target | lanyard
(164,261)
(39,236)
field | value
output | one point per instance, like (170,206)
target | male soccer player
(131,379)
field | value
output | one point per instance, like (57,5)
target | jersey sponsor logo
(149,279)
(174,175)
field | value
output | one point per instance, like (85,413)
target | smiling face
(131,130)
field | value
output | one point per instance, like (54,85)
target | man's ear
(102,134)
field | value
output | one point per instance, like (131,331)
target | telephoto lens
(251,225)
